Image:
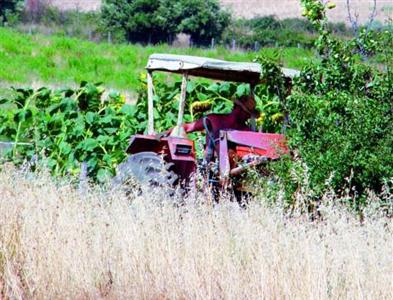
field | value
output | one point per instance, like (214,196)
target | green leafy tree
(268,22)
(151,21)
(341,112)
(169,15)
(137,20)
(203,20)
(10,10)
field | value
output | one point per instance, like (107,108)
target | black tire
(146,168)
(242,198)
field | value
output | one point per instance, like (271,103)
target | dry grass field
(59,243)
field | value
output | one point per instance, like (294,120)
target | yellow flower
(331,5)
(201,106)
(278,117)
(261,119)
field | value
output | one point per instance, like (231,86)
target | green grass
(56,60)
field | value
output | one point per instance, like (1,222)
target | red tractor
(169,159)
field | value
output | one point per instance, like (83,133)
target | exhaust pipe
(238,170)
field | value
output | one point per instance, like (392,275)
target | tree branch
(352,20)
(372,17)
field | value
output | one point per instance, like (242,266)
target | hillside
(282,9)
(292,9)
(59,60)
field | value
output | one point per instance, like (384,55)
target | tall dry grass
(59,243)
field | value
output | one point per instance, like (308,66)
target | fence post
(83,180)
(109,37)
(212,43)
(233,44)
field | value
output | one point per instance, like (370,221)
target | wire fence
(180,41)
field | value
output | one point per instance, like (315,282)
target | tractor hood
(210,68)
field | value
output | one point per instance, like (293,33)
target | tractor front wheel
(147,168)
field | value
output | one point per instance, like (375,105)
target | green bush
(341,114)
(297,24)
(150,21)
(284,38)
(10,11)
(343,135)
(271,32)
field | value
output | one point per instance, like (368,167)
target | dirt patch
(292,9)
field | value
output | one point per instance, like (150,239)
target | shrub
(150,21)
(341,120)
(345,135)
(10,11)
(270,32)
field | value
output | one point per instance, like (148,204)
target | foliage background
(338,118)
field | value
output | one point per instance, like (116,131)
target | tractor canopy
(200,67)
(210,68)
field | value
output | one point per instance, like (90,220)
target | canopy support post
(179,129)
(253,122)
(150,104)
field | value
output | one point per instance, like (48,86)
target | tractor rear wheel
(145,168)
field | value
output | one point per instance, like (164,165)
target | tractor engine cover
(235,144)
(269,145)
(180,152)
